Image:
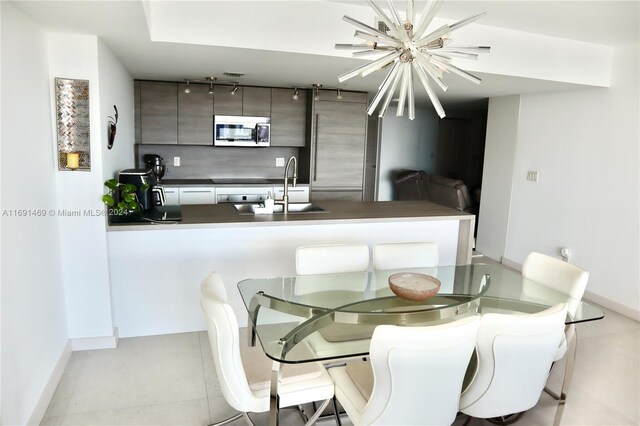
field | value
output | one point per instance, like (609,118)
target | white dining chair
(244,373)
(405,255)
(414,377)
(514,355)
(565,278)
(332,259)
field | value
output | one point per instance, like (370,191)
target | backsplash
(203,162)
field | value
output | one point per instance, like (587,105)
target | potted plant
(122,198)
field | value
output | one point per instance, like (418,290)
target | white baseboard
(591,297)
(614,306)
(90,343)
(47,393)
(511,264)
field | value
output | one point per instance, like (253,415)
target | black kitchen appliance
(153,195)
(154,162)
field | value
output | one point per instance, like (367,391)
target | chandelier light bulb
(409,50)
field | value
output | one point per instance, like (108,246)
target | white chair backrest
(418,372)
(515,353)
(222,327)
(332,259)
(554,273)
(405,255)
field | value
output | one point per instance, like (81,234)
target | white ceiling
(123,27)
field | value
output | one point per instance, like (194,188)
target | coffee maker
(154,162)
(153,195)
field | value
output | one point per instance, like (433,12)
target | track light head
(187,89)
(295,94)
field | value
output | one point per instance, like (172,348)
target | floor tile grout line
(600,401)
(204,377)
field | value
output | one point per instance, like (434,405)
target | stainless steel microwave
(235,130)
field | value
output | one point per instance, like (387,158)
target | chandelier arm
(394,13)
(433,35)
(432,71)
(385,18)
(378,63)
(410,94)
(365,52)
(368,28)
(410,17)
(452,68)
(467,21)
(467,49)
(453,53)
(403,90)
(373,38)
(383,88)
(387,99)
(347,46)
(428,14)
(432,96)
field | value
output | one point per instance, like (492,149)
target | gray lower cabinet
(288,117)
(226,103)
(158,113)
(195,116)
(336,196)
(172,196)
(338,145)
(256,101)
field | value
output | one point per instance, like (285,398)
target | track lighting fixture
(295,94)
(316,92)
(234,90)
(211,88)
(187,89)
(339,95)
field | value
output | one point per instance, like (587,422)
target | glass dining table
(332,317)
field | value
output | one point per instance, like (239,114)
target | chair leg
(302,413)
(335,411)
(229,420)
(572,343)
(319,411)
(248,419)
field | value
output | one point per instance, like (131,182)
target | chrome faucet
(285,197)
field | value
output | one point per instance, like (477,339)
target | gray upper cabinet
(195,116)
(158,113)
(224,103)
(339,131)
(256,101)
(288,117)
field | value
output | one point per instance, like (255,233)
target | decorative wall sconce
(111,131)
(72,119)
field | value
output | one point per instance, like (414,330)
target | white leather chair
(405,255)
(514,355)
(414,378)
(244,372)
(565,278)
(332,259)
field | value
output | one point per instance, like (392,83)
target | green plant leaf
(127,188)
(108,200)
(129,198)
(121,205)
(111,184)
(144,186)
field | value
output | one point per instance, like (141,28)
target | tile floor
(171,380)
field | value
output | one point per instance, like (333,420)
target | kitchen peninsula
(161,295)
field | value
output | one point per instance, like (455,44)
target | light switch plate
(279,161)
(532,176)
(176,161)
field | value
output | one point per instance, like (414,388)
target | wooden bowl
(416,287)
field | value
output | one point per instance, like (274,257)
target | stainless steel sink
(294,208)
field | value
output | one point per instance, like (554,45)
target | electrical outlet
(280,162)
(565,253)
(176,161)
(532,176)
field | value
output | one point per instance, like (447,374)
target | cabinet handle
(195,191)
(315,152)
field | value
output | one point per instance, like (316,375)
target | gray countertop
(225,182)
(226,215)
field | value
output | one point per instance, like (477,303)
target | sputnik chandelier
(409,50)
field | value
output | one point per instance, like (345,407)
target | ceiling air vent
(382,26)
(233,74)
